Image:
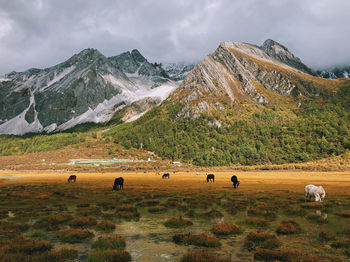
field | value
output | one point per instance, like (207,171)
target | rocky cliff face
(240,74)
(88,87)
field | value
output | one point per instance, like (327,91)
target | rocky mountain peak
(282,54)
(136,55)
(238,75)
(269,44)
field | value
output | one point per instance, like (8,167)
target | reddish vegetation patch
(176,222)
(257,221)
(204,240)
(110,256)
(288,227)
(288,256)
(52,222)
(203,257)
(74,235)
(261,239)
(83,222)
(110,242)
(226,229)
(105,225)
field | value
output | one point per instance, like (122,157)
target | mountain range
(243,103)
(88,87)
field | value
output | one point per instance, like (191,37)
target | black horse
(166,175)
(118,183)
(72,178)
(210,177)
(235,181)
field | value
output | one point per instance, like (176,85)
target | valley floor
(264,202)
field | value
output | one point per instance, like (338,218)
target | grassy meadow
(184,218)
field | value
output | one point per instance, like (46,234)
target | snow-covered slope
(88,87)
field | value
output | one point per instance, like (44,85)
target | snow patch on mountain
(60,75)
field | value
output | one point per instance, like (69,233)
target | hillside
(240,105)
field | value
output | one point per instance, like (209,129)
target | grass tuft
(176,222)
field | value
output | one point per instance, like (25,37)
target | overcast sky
(42,33)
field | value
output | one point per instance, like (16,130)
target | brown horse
(118,183)
(166,175)
(210,177)
(72,178)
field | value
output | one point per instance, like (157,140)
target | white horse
(315,191)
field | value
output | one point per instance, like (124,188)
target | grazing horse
(235,181)
(72,178)
(118,183)
(210,177)
(314,191)
(166,175)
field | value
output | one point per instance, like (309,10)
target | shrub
(288,227)
(261,239)
(83,222)
(212,214)
(226,229)
(89,211)
(105,225)
(203,257)
(27,246)
(258,221)
(157,209)
(74,235)
(127,215)
(11,229)
(205,240)
(288,256)
(51,222)
(176,222)
(64,254)
(110,242)
(110,256)
(171,203)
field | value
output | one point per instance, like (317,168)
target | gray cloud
(41,33)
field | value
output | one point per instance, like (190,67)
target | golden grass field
(184,218)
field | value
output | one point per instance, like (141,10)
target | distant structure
(177,163)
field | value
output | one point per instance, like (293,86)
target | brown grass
(110,242)
(177,222)
(110,256)
(226,229)
(203,257)
(288,227)
(261,239)
(83,222)
(105,225)
(74,235)
(204,240)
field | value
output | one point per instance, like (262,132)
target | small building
(177,163)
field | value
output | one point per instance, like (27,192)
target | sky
(42,33)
